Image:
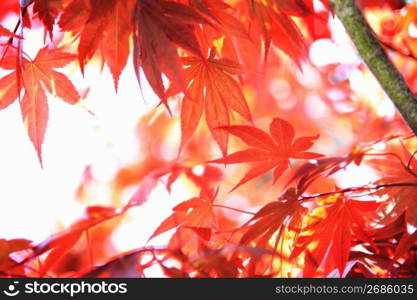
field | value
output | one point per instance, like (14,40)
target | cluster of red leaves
(220,58)
(395,30)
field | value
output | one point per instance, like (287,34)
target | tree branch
(360,189)
(376,59)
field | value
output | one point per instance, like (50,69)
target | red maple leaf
(401,168)
(212,89)
(400,199)
(100,24)
(268,152)
(276,26)
(272,219)
(327,240)
(195,214)
(36,76)
(47,11)
(159,28)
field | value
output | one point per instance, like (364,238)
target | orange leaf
(35,76)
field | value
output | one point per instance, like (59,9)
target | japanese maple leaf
(196,214)
(35,77)
(270,219)
(212,89)
(159,28)
(267,228)
(268,152)
(223,21)
(401,200)
(47,11)
(277,27)
(104,25)
(328,239)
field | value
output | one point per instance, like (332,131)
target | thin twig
(359,189)
(234,209)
